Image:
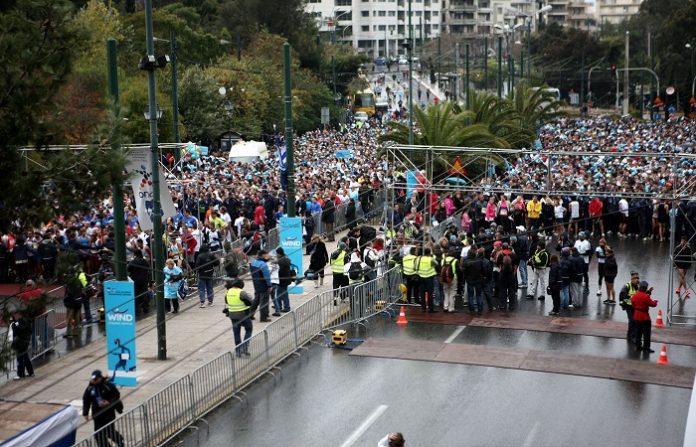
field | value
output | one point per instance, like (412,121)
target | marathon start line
(529,360)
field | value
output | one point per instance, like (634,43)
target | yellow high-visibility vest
(338,263)
(426,269)
(409,265)
(233,298)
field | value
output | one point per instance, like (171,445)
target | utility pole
(529,50)
(582,77)
(289,153)
(239,45)
(156,238)
(410,74)
(333,76)
(116,188)
(456,73)
(625,87)
(499,84)
(175,96)
(466,75)
(439,60)
(521,64)
(511,72)
(485,63)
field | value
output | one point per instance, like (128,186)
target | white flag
(140,171)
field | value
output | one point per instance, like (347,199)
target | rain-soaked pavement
(329,398)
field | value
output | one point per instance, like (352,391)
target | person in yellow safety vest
(337,261)
(426,269)
(408,268)
(533,213)
(625,295)
(82,277)
(448,278)
(238,306)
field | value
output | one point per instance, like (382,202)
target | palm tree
(443,124)
(501,119)
(533,106)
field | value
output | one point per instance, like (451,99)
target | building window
(382,13)
(365,13)
(382,27)
(343,2)
(365,28)
(392,13)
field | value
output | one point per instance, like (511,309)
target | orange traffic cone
(658,321)
(402,316)
(663,360)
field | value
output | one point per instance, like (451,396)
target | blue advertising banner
(291,241)
(119,305)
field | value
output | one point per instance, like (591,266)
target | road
(329,398)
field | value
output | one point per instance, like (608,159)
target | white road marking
(529,440)
(455,334)
(364,426)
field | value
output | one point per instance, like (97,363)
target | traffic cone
(663,360)
(658,321)
(402,316)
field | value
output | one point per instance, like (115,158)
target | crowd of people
(219,201)
(614,168)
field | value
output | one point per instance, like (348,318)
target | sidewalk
(194,336)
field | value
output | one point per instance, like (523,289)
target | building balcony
(462,8)
(462,21)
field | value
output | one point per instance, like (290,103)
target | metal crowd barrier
(43,339)
(169,412)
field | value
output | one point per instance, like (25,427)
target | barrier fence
(43,339)
(173,409)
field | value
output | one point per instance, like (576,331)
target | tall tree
(37,49)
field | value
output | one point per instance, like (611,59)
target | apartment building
(376,27)
(616,11)
(478,17)
(572,14)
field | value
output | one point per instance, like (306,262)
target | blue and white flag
(281,153)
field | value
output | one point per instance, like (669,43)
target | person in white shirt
(574,207)
(601,252)
(585,250)
(623,217)
(227,229)
(239,224)
(392,440)
(559,212)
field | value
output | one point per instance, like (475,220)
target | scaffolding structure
(423,159)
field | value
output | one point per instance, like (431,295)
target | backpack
(368,260)
(355,271)
(183,289)
(447,272)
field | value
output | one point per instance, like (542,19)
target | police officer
(337,261)
(408,264)
(238,309)
(426,269)
(627,292)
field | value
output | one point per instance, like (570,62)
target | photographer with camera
(238,308)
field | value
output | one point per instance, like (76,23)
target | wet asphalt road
(323,397)
(326,397)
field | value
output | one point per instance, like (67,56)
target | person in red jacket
(641,304)
(595,210)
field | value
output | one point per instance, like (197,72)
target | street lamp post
(410,74)
(150,63)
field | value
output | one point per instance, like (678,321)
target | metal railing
(43,339)
(173,409)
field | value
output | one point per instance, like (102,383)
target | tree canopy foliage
(53,86)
